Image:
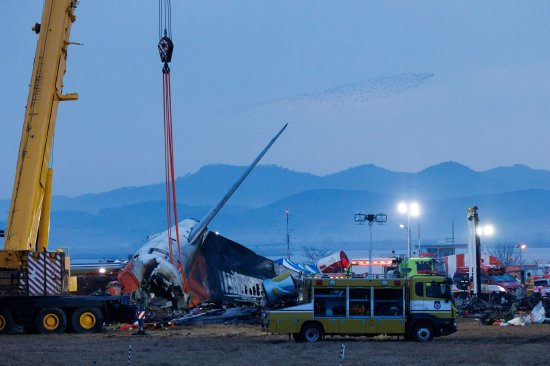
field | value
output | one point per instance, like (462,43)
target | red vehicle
(492,275)
(542,285)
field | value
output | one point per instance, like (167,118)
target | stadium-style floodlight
(521,247)
(485,230)
(411,209)
(379,218)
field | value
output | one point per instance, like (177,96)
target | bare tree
(507,253)
(313,254)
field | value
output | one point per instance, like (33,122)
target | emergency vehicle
(542,285)
(424,264)
(417,307)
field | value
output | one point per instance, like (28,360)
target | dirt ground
(249,345)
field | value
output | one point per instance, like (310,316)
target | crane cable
(166,48)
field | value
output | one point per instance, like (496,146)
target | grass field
(242,345)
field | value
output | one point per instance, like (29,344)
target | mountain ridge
(515,199)
(268,183)
(322,218)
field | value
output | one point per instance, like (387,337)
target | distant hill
(205,187)
(269,183)
(515,199)
(112,231)
(318,218)
(521,176)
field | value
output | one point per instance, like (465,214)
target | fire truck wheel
(6,321)
(423,333)
(50,320)
(87,320)
(311,332)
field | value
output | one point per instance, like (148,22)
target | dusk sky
(400,84)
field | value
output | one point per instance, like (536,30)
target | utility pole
(418,253)
(287,235)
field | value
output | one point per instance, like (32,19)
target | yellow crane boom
(28,220)
(33,281)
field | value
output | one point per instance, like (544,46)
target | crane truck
(35,282)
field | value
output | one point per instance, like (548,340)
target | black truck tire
(6,321)
(50,320)
(87,320)
(423,333)
(311,332)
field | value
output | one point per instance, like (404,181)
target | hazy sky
(400,84)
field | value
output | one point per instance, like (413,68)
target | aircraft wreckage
(212,268)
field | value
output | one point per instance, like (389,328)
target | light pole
(411,209)
(408,234)
(521,247)
(287,234)
(361,218)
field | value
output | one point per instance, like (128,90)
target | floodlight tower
(361,218)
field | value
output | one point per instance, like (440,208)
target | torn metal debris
(534,307)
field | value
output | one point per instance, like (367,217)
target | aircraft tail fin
(201,226)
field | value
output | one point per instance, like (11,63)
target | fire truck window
(329,302)
(388,302)
(419,289)
(359,302)
(424,266)
(503,277)
(433,290)
(445,290)
(440,267)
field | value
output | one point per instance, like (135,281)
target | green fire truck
(417,308)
